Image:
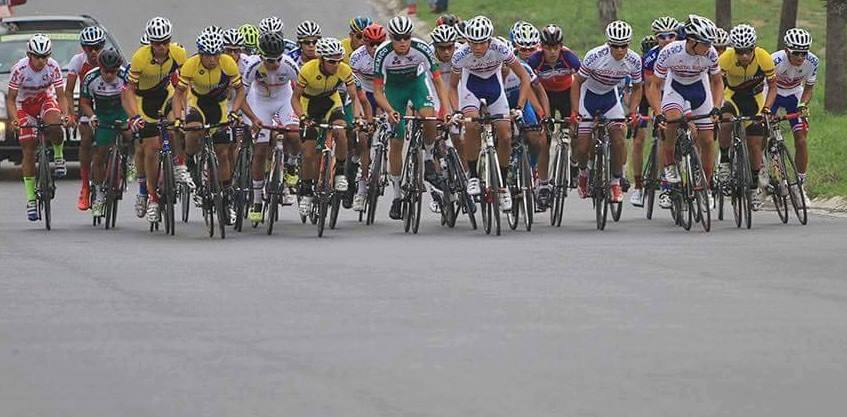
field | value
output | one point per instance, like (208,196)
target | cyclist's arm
(366,107)
(12,104)
(541,94)
(295,100)
(351,87)
(128,99)
(635,97)
(653,93)
(771,97)
(455,77)
(442,92)
(575,92)
(535,102)
(379,96)
(808,91)
(86,106)
(70,84)
(525,91)
(179,100)
(716,83)
(240,95)
(63,100)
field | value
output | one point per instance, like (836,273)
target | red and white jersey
(791,79)
(466,63)
(676,63)
(79,65)
(602,72)
(31,83)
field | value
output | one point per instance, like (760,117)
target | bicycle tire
(218,199)
(166,199)
(686,193)
(650,177)
(780,199)
(701,189)
(560,185)
(496,188)
(374,185)
(335,202)
(323,205)
(44,183)
(274,190)
(599,187)
(795,188)
(527,191)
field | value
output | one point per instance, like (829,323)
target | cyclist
(354,39)
(721,40)
(91,39)
(796,73)
(362,63)
(747,68)
(684,66)
(555,65)
(100,102)
(269,83)
(234,47)
(664,32)
(201,94)
(308,34)
(251,38)
(527,40)
(477,75)
(402,66)
(36,88)
(147,94)
(316,99)
(270,24)
(595,94)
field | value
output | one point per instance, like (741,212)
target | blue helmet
(359,23)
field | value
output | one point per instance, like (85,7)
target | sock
(29,187)
(395,181)
(142,185)
(154,198)
(802,177)
(724,155)
(257,191)
(616,180)
(59,151)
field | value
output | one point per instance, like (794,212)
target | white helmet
(144,40)
(664,24)
(742,36)
(327,47)
(700,29)
(400,26)
(721,38)
(618,33)
(527,36)
(444,34)
(210,43)
(308,29)
(92,35)
(270,24)
(39,44)
(234,38)
(798,39)
(158,29)
(479,29)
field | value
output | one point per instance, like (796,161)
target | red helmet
(374,33)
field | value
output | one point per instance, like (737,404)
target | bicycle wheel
(560,184)
(218,199)
(778,185)
(748,192)
(45,186)
(599,191)
(496,188)
(335,202)
(701,190)
(243,188)
(464,202)
(323,206)
(527,192)
(374,184)
(795,188)
(650,177)
(409,185)
(274,191)
(168,196)
(112,173)
(513,216)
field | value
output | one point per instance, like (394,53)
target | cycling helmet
(664,24)
(270,24)
(359,23)
(400,26)
(460,30)
(618,33)
(110,59)
(144,40)
(308,29)
(210,43)
(527,36)
(39,44)
(158,29)
(250,34)
(700,29)
(444,34)
(271,45)
(213,28)
(479,29)
(92,36)
(742,36)
(374,33)
(447,19)
(647,43)
(798,39)
(551,35)
(233,38)
(327,47)
(721,38)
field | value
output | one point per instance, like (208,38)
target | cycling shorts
(790,103)
(33,107)
(607,105)
(413,92)
(696,96)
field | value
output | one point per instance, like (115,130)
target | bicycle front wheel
(795,188)
(495,188)
(45,185)
(168,197)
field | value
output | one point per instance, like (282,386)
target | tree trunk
(608,11)
(835,96)
(787,20)
(723,14)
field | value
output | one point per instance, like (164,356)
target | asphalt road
(643,319)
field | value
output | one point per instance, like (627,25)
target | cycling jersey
(208,90)
(153,82)
(79,65)
(106,100)
(512,85)
(685,80)
(750,79)
(392,67)
(321,99)
(32,84)
(791,79)
(557,76)
(602,72)
(648,61)
(348,49)
(362,64)
(265,84)
(482,76)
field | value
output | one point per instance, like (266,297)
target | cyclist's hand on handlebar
(517,113)
(69,120)
(234,117)
(574,119)
(716,114)
(661,121)
(93,122)
(136,123)
(393,117)
(803,109)
(634,119)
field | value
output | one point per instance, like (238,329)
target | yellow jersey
(748,79)
(347,44)
(316,83)
(210,83)
(150,76)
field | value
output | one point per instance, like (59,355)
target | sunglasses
(743,51)
(332,61)
(401,37)
(92,47)
(799,53)
(272,60)
(624,46)
(160,43)
(307,42)
(668,35)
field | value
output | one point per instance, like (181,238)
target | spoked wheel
(373,196)
(495,190)
(650,176)
(600,192)
(323,207)
(779,191)
(560,184)
(185,201)
(45,185)
(513,216)
(700,188)
(795,187)
(718,195)
(335,202)
(528,194)
(616,209)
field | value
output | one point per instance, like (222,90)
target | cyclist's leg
(195,118)
(705,127)
(336,117)
(751,106)
(55,134)
(86,137)
(398,97)
(637,160)
(103,141)
(674,99)
(800,130)
(28,143)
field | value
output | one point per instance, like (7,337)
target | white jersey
(362,64)
(512,82)
(602,72)
(790,79)
(245,61)
(675,63)
(270,85)
(489,64)
(31,83)
(79,65)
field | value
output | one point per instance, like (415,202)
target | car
(14,34)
